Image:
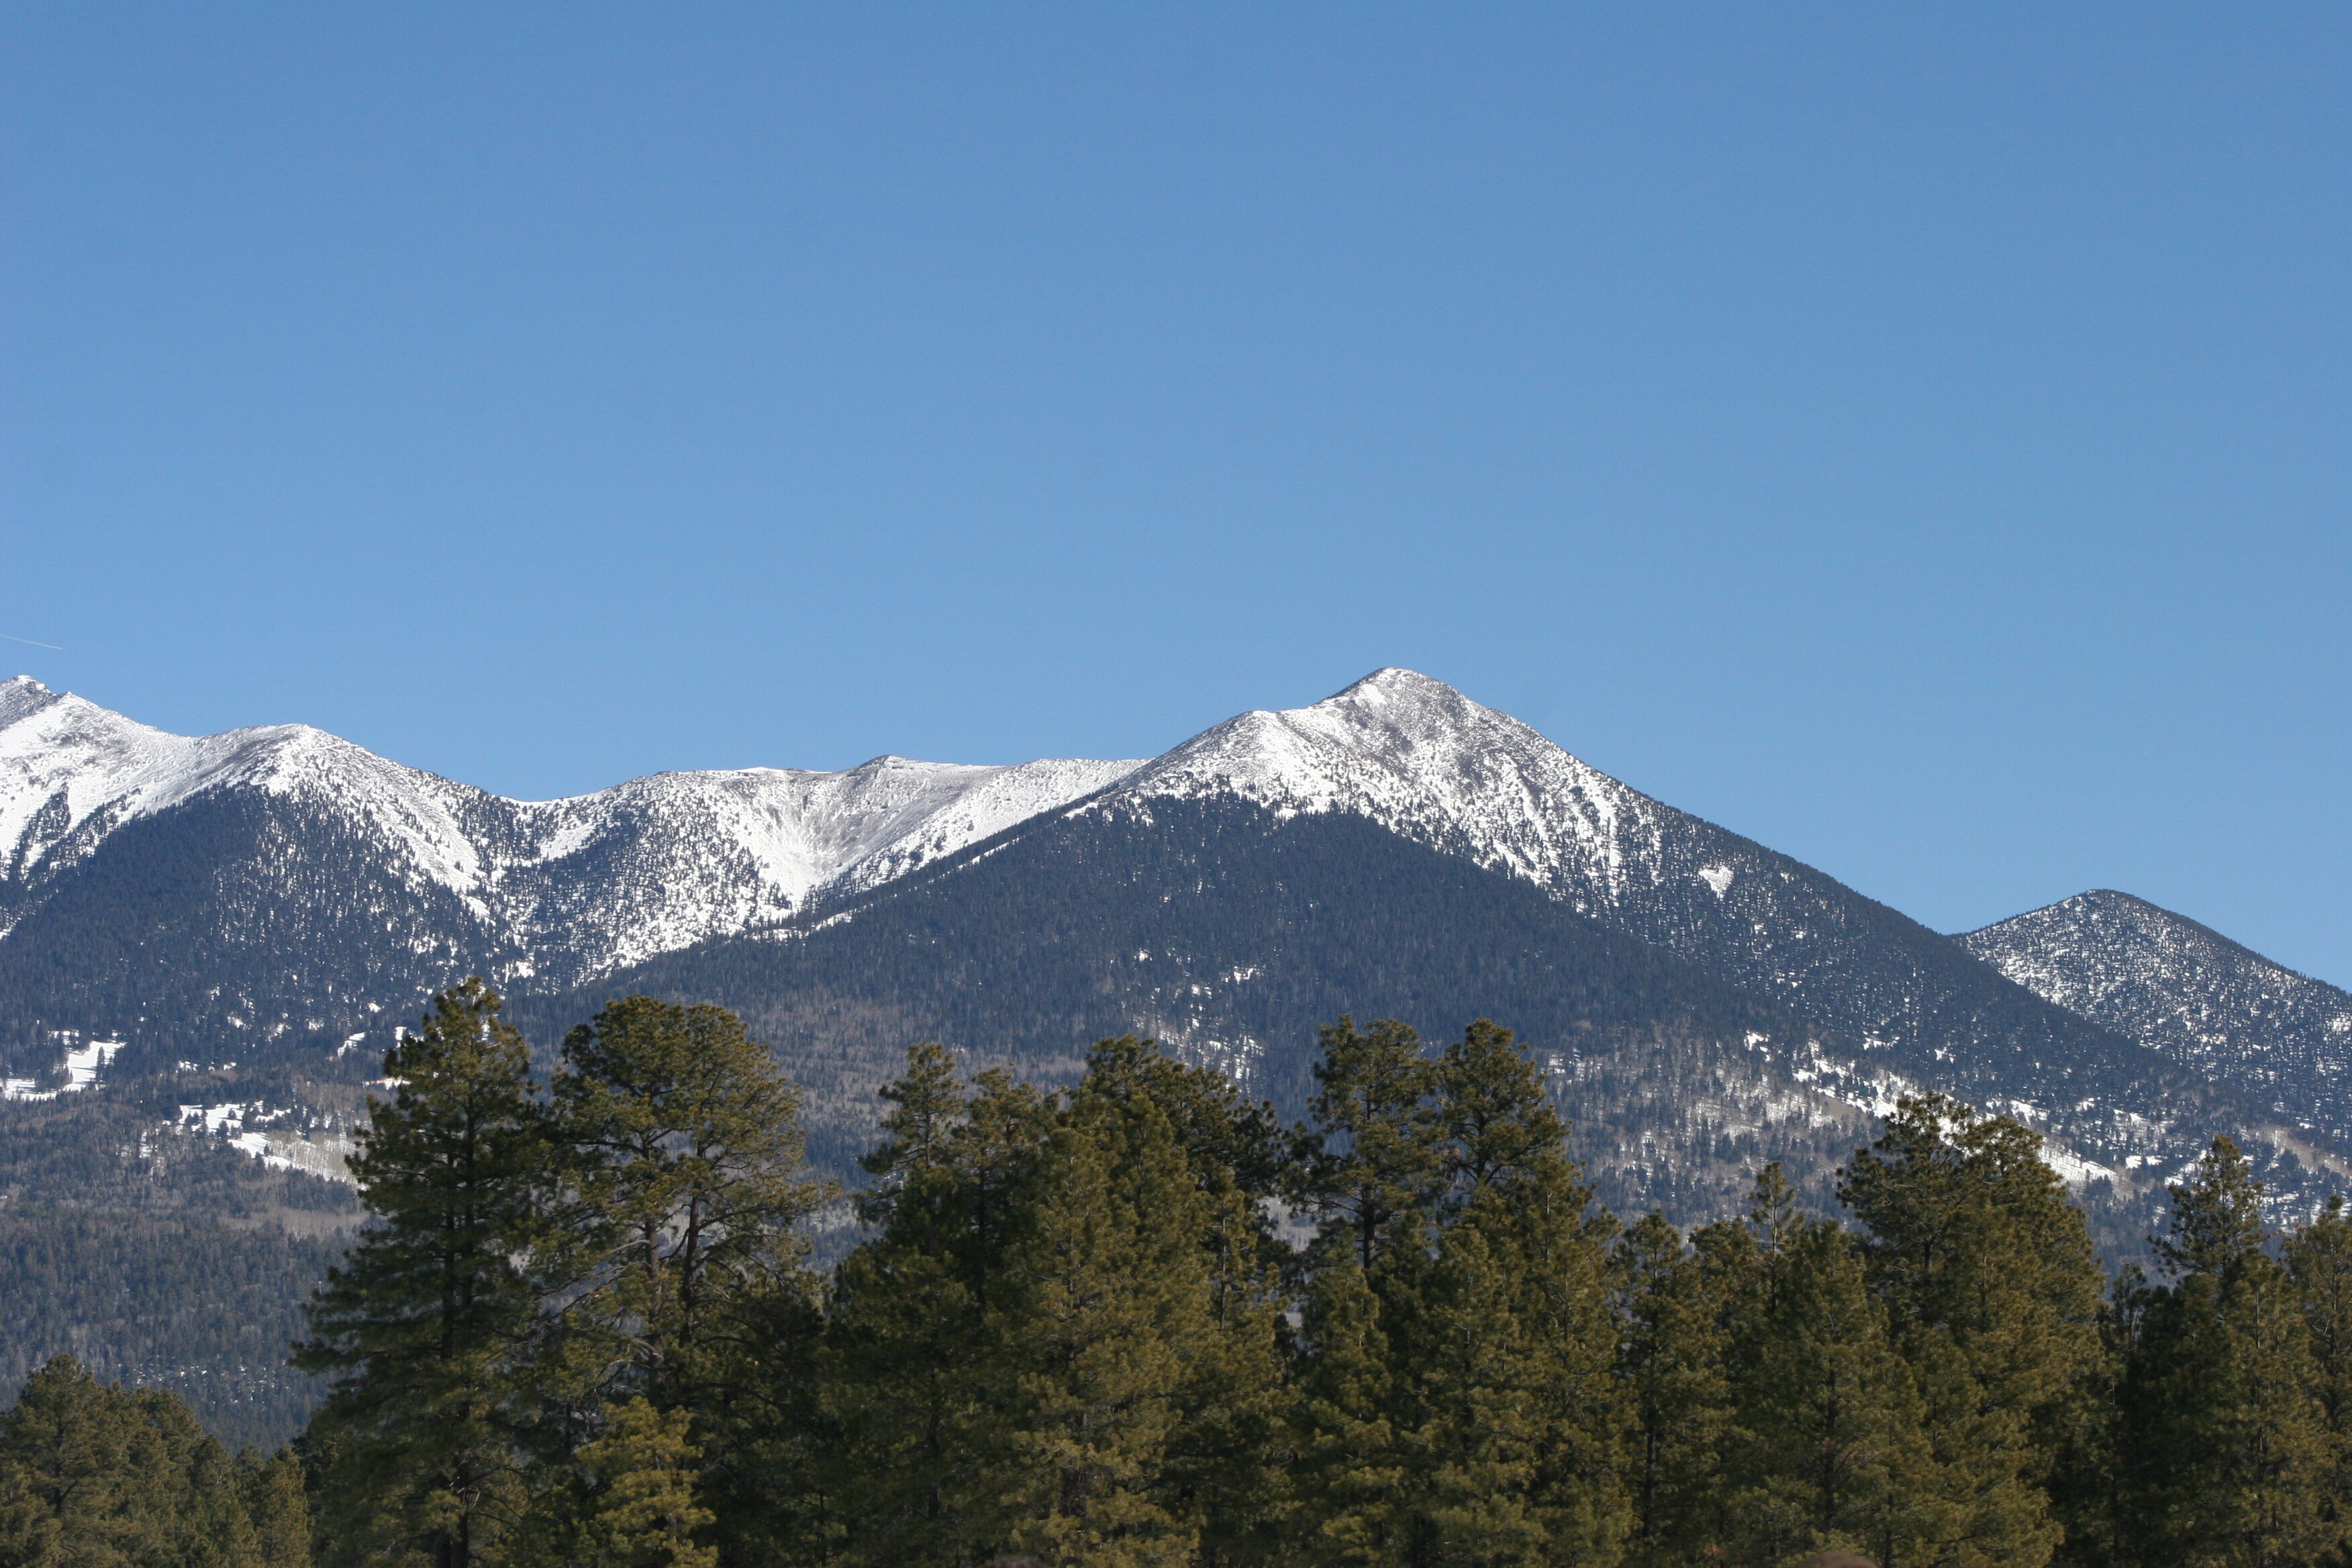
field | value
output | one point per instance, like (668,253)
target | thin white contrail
(30,643)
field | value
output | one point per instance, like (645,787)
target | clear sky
(1914,436)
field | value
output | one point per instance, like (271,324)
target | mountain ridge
(281,889)
(2183,988)
(72,772)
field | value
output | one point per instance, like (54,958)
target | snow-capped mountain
(1425,761)
(201,897)
(2190,993)
(250,914)
(558,891)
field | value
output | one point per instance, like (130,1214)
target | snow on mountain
(71,772)
(581,885)
(662,862)
(1424,761)
(2190,993)
(279,882)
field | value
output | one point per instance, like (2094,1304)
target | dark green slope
(233,926)
(159,1257)
(1231,932)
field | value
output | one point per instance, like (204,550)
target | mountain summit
(1424,761)
(1396,847)
(2190,993)
(564,888)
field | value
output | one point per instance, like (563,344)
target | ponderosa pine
(1992,1294)
(92,1474)
(911,1387)
(1672,1346)
(1458,1398)
(424,1328)
(1228,1465)
(642,1510)
(2319,1258)
(1826,1449)
(2223,1456)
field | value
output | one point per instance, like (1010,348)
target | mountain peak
(1420,759)
(2186,990)
(20,696)
(1392,681)
(2073,919)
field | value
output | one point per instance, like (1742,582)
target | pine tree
(1105,1311)
(1064,1336)
(911,1387)
(1992,1292)
(279,1508)
(642,1511)
(2217,1216)
(1227,1465)
(425,1326)
(2319,1266)
(1459,1399)
(1826,1449)
(1367,1164)
(1368,1167)
(1671,1358)
(100,1476)
(1517,1419)
(685,1143)
(2222,1453)
(1355,1506)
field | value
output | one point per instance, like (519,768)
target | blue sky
(1914,436)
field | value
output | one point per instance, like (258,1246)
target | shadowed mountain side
(228,926)
(1230,932)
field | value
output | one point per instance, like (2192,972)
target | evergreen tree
(2221,1448)
(1826,1450)
(1367,1163)
(1063,1337)
(1228,1459)
(1993,1294)
(1105,1313)
(910,1389)
(682,1271)
(684,1145)
(1367,1168)
(2319,1265)
(2217,1216)
(92,1476)
(1459,1396)
(1517,1420)
(641,1509)
(1670,1311)
(423,1327)
(279,1508)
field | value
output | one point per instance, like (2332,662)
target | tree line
(1138,1322)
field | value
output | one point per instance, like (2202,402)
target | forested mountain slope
(252,916)
(1230,930)
(2189,992)
(277,897)
(279,889)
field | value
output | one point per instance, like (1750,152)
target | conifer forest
(603,1314)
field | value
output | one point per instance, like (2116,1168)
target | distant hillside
(2191,994)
